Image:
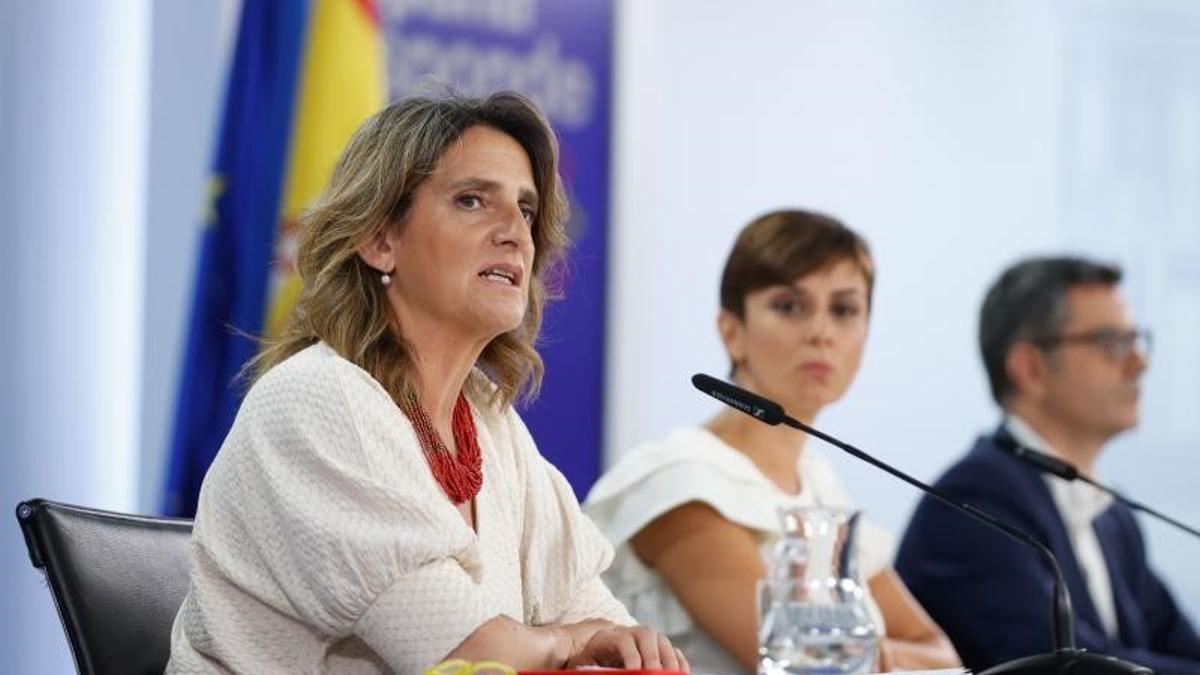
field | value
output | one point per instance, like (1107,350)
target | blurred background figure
(955,137)
(1064,361)
(696,517)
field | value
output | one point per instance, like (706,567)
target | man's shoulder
(986,467)
(995,481)
(986,478)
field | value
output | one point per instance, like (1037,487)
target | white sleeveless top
(693,464)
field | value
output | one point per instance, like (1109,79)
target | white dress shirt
(1078,505)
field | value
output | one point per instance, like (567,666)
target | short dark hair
(782,246)
(1027,302)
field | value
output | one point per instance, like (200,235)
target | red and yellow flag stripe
(342,83)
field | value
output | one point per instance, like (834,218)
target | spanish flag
(304,76)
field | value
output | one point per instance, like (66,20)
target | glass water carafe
(814,614)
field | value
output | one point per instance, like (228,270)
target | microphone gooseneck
(1067,658)
(772,413)
(1068,472)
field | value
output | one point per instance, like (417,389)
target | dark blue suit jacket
(992,595)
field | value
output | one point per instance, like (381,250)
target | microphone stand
(1068,472)
(1066,658)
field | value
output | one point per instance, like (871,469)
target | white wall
(107,119)
(72,181)
(956,137)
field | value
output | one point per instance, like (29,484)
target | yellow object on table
(465,667)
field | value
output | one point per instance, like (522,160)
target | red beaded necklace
(460,476)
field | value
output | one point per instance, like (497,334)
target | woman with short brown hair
(694,517)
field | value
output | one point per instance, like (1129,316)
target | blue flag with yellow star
(236,248)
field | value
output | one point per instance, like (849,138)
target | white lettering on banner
(507,16)
(563,86)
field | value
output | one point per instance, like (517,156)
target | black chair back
(117,579)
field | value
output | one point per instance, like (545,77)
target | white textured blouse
(694,465)
(323,543)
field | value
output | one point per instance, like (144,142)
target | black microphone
(1067,471)
(1066,658)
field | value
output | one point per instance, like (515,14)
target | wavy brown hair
(342,302)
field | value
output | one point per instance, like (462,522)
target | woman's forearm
(914,640)
(525,647)
(933,652)
(594,642)
(515,644)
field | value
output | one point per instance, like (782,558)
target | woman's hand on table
(600,643)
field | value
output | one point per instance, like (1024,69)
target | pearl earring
(385,279)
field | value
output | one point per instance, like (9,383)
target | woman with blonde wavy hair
(378,504)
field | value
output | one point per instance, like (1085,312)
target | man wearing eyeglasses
(1064,362)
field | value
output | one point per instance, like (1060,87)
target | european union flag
(237,246)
